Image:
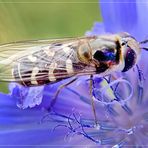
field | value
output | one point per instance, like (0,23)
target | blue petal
(27,127)
(142,24)
(97,29)
(126,15)
(119,15)
(20,125)
(26,96)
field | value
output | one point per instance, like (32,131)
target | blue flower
(120,99)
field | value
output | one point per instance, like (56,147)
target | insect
(34,63)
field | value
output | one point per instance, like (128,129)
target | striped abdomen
(46,66)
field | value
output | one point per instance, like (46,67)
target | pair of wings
(11,54)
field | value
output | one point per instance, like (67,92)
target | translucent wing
(40,62)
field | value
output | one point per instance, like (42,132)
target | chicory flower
(120,99)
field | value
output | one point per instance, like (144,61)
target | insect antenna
(145,48)
(144,42)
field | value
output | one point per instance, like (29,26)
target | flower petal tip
(97,29)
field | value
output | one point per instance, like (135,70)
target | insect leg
(92,99)
(58,91)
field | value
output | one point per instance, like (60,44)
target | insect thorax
(103,52)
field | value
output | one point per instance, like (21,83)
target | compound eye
(99,56)
(104,55)
(130,59)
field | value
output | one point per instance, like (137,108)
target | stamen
(140,73)
(127,109)
(107,127)
(107,141)
(140,95)
(140,85)
(55,117)
(103,90)
(145,116)
(111,110)
(89,137)
(87,123)
(119,145)
(113,89)
(84,99)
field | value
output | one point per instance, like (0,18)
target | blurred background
(36,19)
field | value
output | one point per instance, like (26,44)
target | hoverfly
(34,63)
